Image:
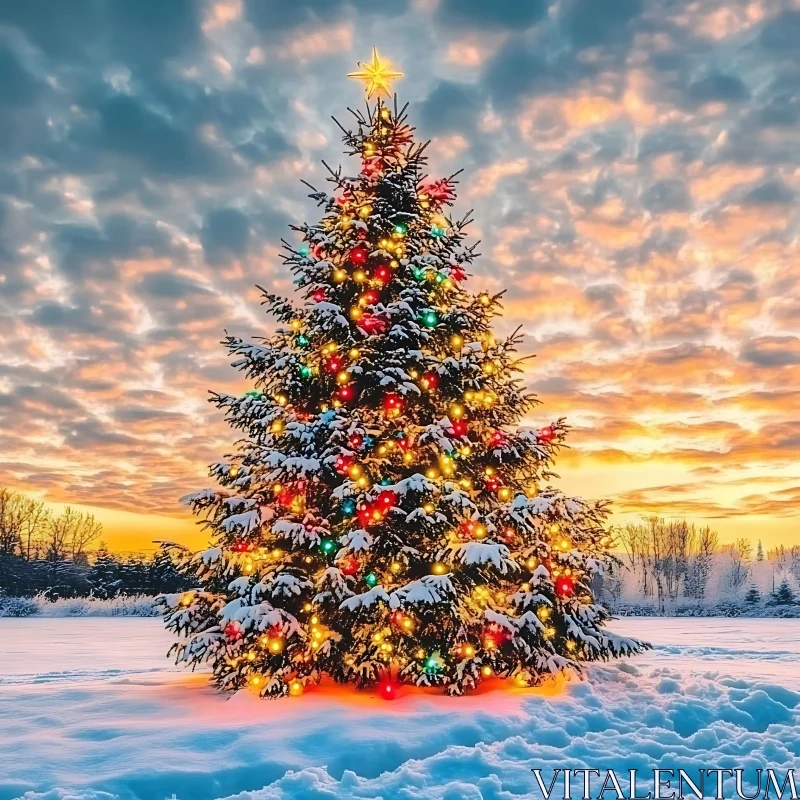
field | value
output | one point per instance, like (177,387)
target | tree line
(667,559)
(42,552)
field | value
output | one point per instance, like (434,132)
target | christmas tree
(384,520)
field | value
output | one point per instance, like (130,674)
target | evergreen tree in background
(759,551)
(783,595)
(103,575)
(384,519)
(753,595)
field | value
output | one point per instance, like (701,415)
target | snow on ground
(91,710)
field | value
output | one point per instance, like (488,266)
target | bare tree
(68,535)
(21,521)
(739,571)
(670,557)
(705,545)
(35,521)
(10,521)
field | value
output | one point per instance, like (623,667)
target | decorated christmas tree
(384,520)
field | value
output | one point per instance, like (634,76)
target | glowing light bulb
(438,568)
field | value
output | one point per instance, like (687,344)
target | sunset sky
(634,169)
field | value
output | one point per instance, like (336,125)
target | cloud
(632,165)
(772,351)
(508,14)
(226,231)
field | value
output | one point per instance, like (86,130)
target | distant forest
(63,555)
(673,566)
(664,566)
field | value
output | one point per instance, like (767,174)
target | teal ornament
(430,319)
(371,579)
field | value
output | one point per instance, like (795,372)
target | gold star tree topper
(376,75)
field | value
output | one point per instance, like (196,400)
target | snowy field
(91,710)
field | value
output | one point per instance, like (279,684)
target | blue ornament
(303,250)
(349,506)
(327,416)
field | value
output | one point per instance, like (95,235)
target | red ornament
(459,427)
(348,565)
(366,514)
(334,364)
(318,250)
(346,393)
(497,439)
(373,324)
(565,586)
(285,497)
(342,463)
(546,434)
(371,166)
(318,295)
(371,297)
(383,274)
(439,192)
(242,547)
(355,441)
(388,691)
(358,256)
(457,273)
(393,403)
(232,630)
(275,631)
(386,499)
(493,483)
(430,380)
(497,634)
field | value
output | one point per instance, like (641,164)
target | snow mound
(154,735)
